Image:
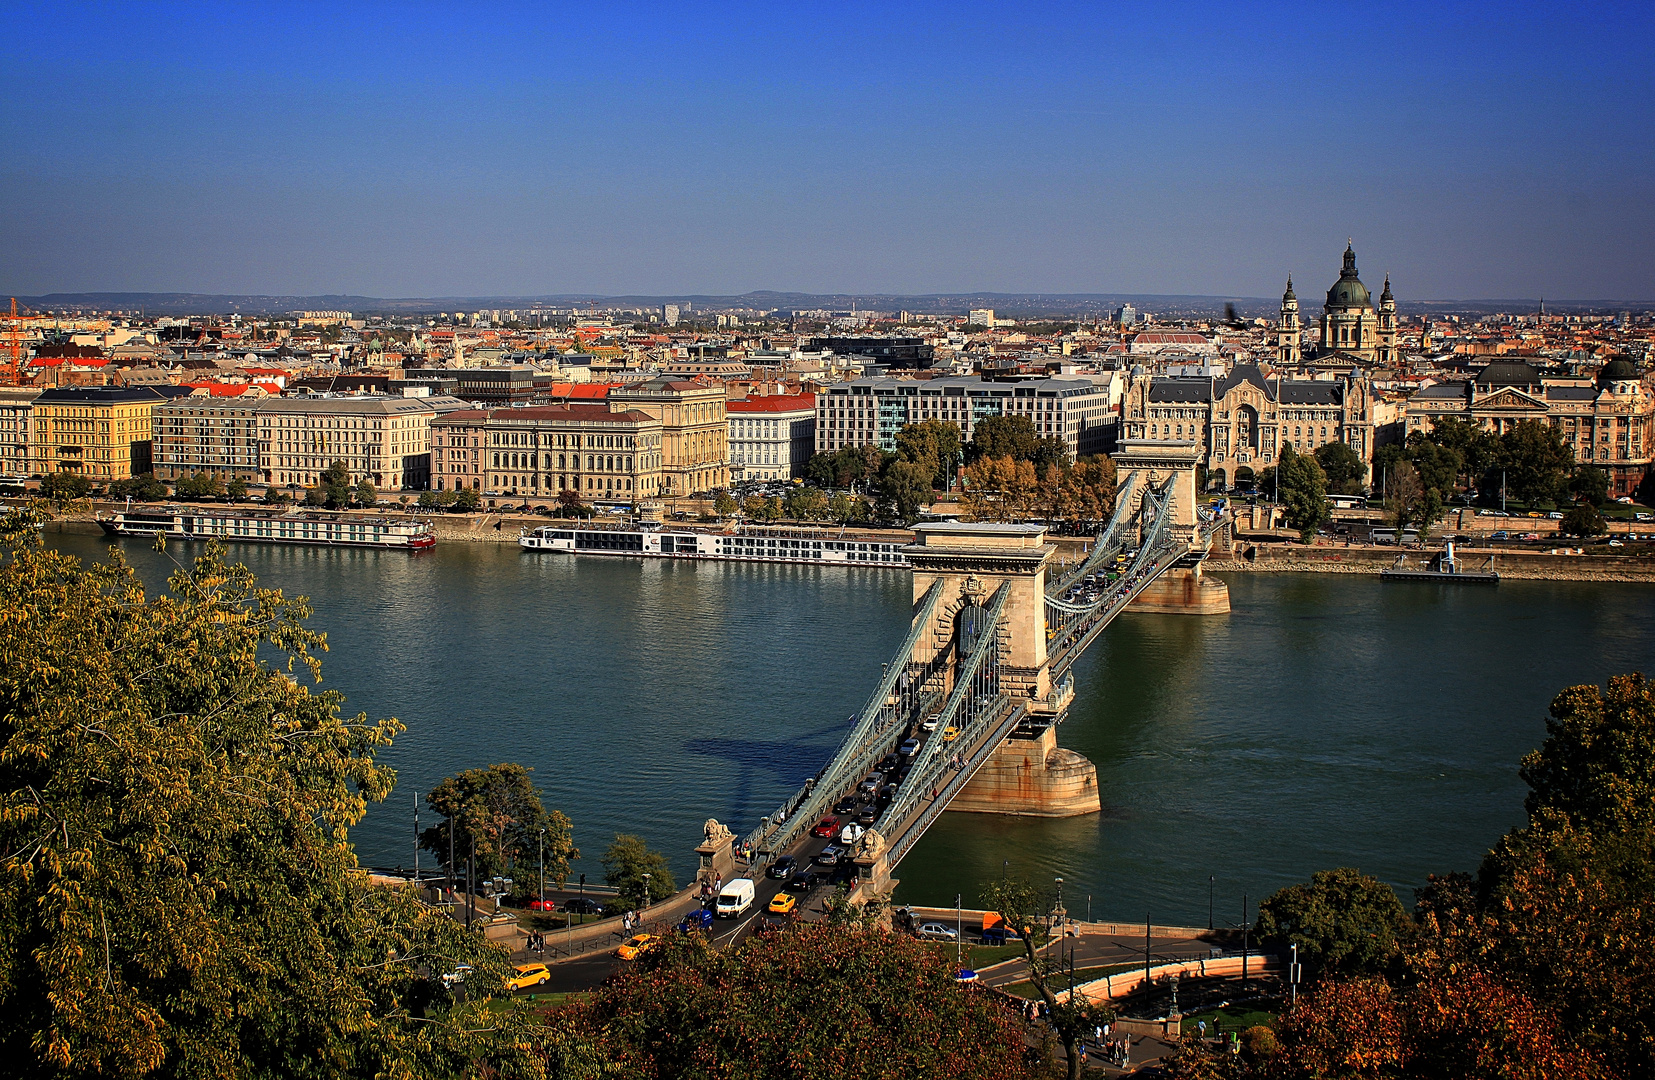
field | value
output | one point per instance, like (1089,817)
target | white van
(734,898)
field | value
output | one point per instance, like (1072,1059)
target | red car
(542,905)
(828,827)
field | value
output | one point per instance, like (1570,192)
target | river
(1328,720)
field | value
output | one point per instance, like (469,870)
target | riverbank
(1507,562)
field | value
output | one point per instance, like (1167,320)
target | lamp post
(1209,901)
(646,890)
(1060,913)
(959,938)
(543,868)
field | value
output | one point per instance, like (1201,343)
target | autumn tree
(814,1000)
(178,891)
(999,489)
(499,809)
(1087,490)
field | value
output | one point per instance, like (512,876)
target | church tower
(1386,353)
(1287,330)
(1349,324)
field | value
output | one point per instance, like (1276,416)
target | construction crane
(11,366)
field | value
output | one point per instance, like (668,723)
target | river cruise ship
(819,547)
(271,527)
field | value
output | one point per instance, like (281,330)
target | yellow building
(100,432)
(695,431)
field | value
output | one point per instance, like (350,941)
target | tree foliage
(1536,461)
(1583,520)
(811,1002)
(625,865)
(499,807)
(903,486)
(931,443)
(1590,485)
(1302,488)
(1342,466)
(63,488)
(1343,922)
(145,488)
(178,894)
(199,485)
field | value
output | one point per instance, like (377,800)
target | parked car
(1556,515)
(583,905)
(826,827)
(636,945)
(936,931)
(542,905)
(698,919)
(782,867)
(529,975)
(457,976)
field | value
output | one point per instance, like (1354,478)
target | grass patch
(1059,982)
(1229,1018)
(978,957)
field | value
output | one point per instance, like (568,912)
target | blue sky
(1473,151)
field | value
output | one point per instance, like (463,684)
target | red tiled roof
(774,403)
(579,390)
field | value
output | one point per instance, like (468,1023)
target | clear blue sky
(1472,150)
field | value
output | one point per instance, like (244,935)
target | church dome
(1348,291)
(1620,369)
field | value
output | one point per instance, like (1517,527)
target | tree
(1050,453)
(724,505)
(1342,921)
(1303,492)
(933,443)
(499,809)
(625,866)
(1404,494)
(1088,490)
(336,485)
(903,487)
(1004,436)
(1477,446)
(179,895)
(199,485)
(817,1000)
(1590,484)
(1583,520)
(366,493)
(1536,461)
(1343,467)
(145,488)
(63,488)
(805,503)
(998,489)
(845,508)
(1018,904)
(469,500)
(236,489)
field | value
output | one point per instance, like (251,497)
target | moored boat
(320,527)
(821,547)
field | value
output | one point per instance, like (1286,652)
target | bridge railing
(976,695)
(1108,541)
(1001,723)
(901,692)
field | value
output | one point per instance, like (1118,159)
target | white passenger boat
(819,547)
(272,527)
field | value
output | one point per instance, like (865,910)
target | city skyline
(1472,151)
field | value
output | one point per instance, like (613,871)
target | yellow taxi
(529,975)
(784,903)
(636,945)
(950,734)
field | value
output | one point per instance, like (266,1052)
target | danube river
(1327,721)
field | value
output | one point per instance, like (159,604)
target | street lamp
(1209,901)
(646,890)
(542,868)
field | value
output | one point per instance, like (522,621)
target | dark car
(847,805)
(888,763)
(828,856)
(868,816)
(803,880)
(699,919)
(782,867)
(583,905)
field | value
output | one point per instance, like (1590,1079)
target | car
(636,945)
(1499,534)
(851,833)
(909,748)
(828,856)
(1627,499)
(889,763)
(1643,517)
(529,975)
(930,724)
(826,827)
(542,905)
(782,867)
(1555,515)
(867,817)
(1535,514)
(950,734)
(936,931)
(1485,513)
(1616,543)
(583,905)
(1531,536)
(698,919)
(803,880)
(783,904)
(457,976)
(847,805)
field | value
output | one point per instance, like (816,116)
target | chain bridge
(984,675)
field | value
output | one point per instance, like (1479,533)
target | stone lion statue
(870,843)
(715,832)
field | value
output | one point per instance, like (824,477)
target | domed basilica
(1353,333)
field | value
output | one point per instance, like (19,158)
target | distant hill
(1006,305)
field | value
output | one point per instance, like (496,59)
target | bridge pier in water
(1182,590)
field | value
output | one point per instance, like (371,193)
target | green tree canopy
(1583,520)
(236,489)
(499,807)
(1303,492)
(1477,447)
(335,483)
(1536,461)
(1004,436)
(1343,921)
(1590,484)
(724,504)
(932,443)
(1342,466)
(814,1000)
(365,493)
(199,485)
(903,486)
(63,488)
(625,865)
(144,487)
(179,896)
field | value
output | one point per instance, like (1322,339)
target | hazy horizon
(1471,151)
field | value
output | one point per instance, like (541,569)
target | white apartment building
(871,411)
(16,406)
(771,437)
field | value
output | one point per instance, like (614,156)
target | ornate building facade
(1353,333)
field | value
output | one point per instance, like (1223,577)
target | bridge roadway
(976,714)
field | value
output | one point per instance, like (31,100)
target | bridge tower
(1029,773)
(1182,590)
